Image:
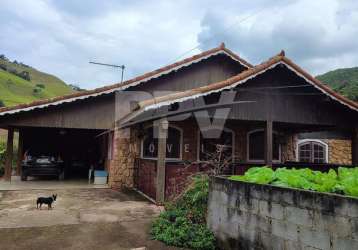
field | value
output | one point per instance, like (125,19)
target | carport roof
(129,83)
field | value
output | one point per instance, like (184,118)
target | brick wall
(251,216)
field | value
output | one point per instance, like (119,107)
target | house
(148,129)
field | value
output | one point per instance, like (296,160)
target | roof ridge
(127,83)
(247,73)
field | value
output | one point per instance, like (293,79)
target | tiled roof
(243,77)
(126,84)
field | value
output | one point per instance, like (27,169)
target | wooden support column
(20,153)
(162,127)
(9,153)
(355,146)
(268,143)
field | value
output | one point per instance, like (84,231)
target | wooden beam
(268,143)
(355,146)
(162,126)
(9,153)
(20,153)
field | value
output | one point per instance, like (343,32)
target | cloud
(61,37)
(313,33)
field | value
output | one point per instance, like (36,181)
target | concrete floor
(47,185)
(80,219)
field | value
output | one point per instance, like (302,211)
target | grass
(15,90)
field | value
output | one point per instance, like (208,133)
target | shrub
(40,85)
(345,181)
(183,222)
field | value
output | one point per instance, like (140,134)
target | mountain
(20,83)
(344,81)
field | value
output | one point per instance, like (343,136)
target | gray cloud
(60,37)
(312,32)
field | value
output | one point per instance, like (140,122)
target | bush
(344,182)
(40,85)
(183,222)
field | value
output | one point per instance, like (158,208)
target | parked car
(42,166)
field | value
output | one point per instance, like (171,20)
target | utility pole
(122,67)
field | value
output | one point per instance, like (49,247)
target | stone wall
(126,148)
(288,148)
(251,216)
(339,151)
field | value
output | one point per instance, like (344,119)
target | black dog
(46,200)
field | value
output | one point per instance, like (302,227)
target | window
(150,144)
(256,146)
(313,151)
(208,146)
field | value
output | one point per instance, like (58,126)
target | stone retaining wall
(251,216)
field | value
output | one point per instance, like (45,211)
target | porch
(257,115)
(249,143)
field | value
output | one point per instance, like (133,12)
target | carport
(74,131)
(78,149)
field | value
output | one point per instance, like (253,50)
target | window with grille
(208,146)
(173,147)
(256,146)
(312,151)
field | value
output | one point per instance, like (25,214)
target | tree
(3,67)
(2,104)
(3,57)
(25,75)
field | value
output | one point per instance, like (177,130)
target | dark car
(42,166)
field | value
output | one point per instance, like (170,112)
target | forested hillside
(344,81)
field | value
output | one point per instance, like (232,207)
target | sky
(61,37)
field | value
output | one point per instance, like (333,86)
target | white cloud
(60,37)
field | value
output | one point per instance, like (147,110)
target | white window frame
(171,159)
(206,129)
(299,142)
(248,148)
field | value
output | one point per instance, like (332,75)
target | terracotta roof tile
(128,82)
(245,75)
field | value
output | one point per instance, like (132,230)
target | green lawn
(15,90)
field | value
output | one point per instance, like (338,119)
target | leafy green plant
(183,223)
(345,181)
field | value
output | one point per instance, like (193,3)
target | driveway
(80,219)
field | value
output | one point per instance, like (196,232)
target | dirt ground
(80,219)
